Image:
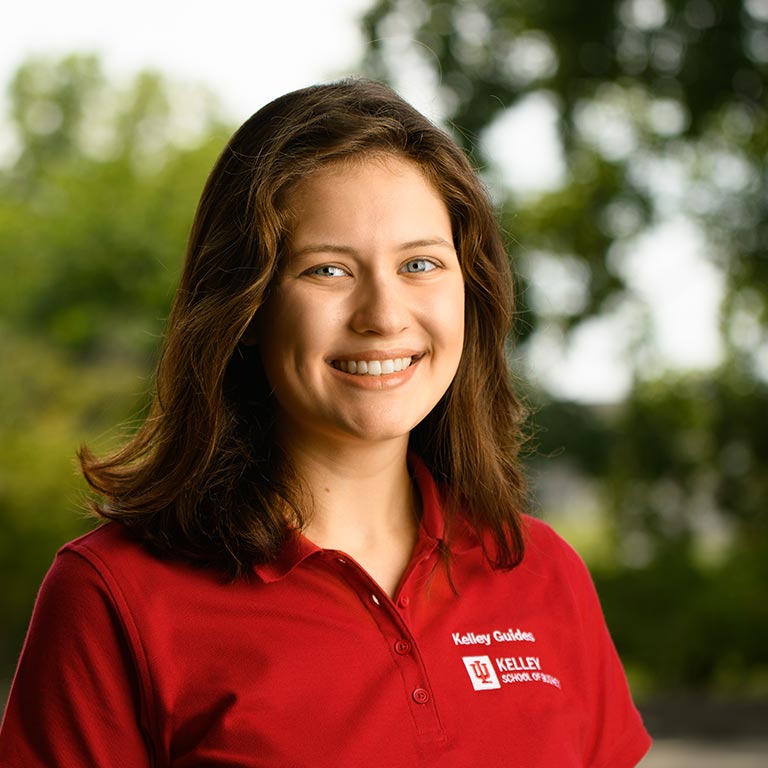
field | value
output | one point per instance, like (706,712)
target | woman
(317,552)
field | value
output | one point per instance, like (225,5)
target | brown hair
(203,478)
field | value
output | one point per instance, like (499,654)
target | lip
(383,381)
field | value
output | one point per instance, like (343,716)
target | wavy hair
(203,478)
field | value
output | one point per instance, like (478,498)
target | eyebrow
(410,245)
(425,243)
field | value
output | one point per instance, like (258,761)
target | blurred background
(625,144)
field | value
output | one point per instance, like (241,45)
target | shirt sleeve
(617,738)
(75,699)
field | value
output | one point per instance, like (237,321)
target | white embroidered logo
(481,672)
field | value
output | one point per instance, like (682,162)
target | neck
(363,504)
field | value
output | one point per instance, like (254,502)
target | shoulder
(106,542)
(81,597)
(551,572)
(552,563)
(108,550)
(544,546)
(87,575)
(110,580)
(114,560)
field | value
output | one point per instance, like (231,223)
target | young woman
(317,551)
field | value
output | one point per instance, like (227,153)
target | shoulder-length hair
(203,478)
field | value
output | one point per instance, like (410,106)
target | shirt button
(402,647)
(375,599)
(420,696)
(404,600)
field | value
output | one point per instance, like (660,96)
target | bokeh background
(625,144)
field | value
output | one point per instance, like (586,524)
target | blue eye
(419,265)
(327,270)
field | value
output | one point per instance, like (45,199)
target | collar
(433,530)
(434,525)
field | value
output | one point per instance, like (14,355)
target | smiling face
(363,331)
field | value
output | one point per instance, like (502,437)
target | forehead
(362,195)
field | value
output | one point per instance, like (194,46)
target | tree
(661,117)
(94,210)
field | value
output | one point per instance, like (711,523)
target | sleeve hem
(629,754)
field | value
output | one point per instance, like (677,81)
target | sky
(250,51)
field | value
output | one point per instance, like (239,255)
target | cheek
(448,320)
(294,336)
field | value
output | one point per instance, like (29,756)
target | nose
(380,306)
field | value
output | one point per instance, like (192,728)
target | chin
(381,431)
(380,435)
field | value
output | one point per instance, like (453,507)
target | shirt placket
(404,649)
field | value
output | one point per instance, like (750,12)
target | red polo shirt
(135,661)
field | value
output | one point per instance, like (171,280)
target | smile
(372,367)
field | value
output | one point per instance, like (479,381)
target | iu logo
(481,672)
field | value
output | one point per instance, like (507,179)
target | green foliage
(660,108)
(94,213)
(684,81)
(680,625)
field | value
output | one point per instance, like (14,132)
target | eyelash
(323,269)
(319,270)
(429,262)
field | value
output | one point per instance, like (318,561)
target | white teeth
(374,367)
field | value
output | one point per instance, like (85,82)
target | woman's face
(363,332)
